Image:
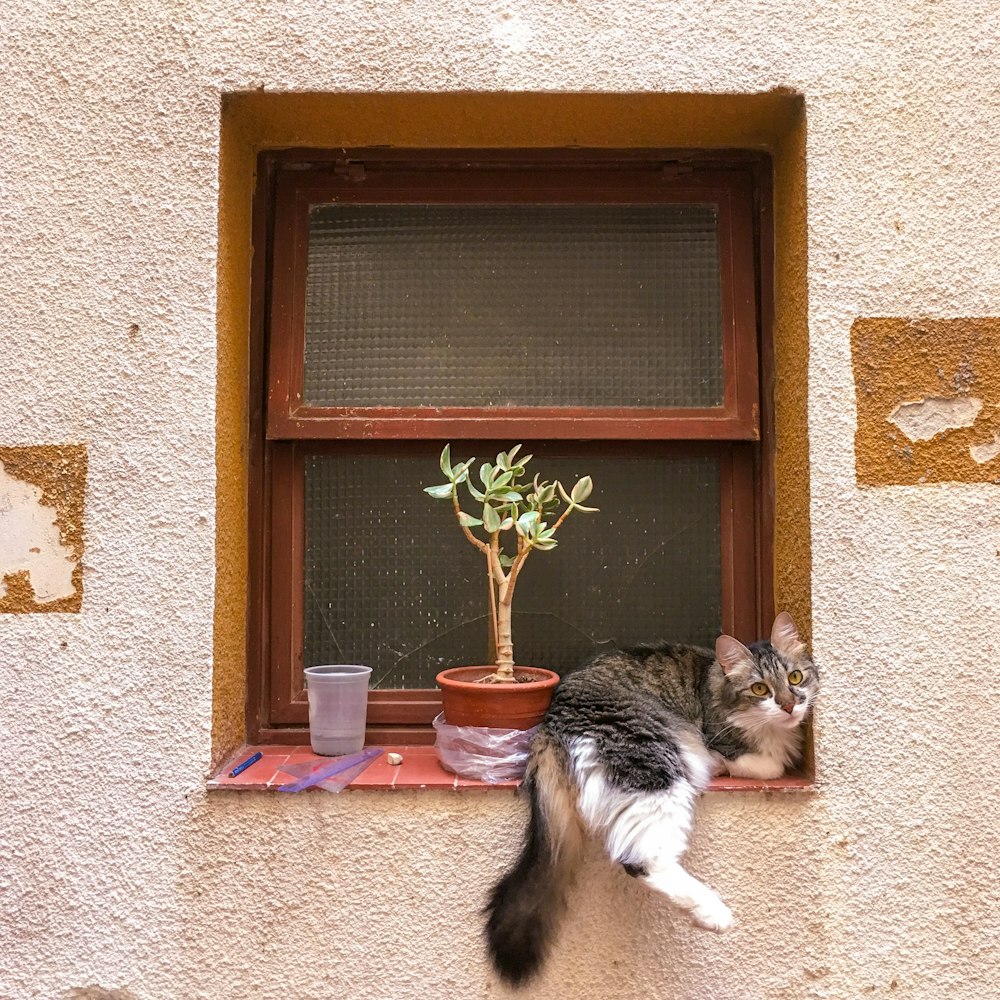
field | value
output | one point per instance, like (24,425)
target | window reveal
(600,310)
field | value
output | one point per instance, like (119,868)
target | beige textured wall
(118,871)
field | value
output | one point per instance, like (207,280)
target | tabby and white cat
(630,741)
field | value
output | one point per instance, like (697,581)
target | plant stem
(505,648)
(491,582)
(508,592)
(482,546)
(500,611)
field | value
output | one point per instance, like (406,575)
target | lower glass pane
(391,582)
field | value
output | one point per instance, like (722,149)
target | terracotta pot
(498,706)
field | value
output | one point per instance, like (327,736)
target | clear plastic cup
(338,707)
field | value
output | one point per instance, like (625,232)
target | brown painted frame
(283,430)
(453,182)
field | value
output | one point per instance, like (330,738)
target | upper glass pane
(391,582)
(513,305)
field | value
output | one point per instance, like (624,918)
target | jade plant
(516,517)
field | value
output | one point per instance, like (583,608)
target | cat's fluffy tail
(527,903)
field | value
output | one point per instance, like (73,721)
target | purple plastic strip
(337,772)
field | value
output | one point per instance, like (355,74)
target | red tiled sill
(420,769)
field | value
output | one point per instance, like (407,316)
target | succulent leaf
(440,492)
(446,461)
(526,522)
(491,519)
(582,490)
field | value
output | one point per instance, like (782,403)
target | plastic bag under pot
(338,707)
(483,753)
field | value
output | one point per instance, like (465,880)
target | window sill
(420,769)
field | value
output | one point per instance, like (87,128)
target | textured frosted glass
(513,305)
(391,582)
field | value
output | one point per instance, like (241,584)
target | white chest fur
(777,745)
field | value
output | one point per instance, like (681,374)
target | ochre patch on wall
(41,521)
(928,394)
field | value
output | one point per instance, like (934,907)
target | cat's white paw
(712,915)
(756,765)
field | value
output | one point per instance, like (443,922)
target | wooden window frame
(282,429)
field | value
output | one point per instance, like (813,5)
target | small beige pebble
(394,758)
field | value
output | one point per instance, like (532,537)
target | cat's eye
(795,677)
(760,689)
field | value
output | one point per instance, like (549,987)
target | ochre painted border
(250,122)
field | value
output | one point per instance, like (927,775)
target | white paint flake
(986,452)
(512,33)
(926,418)
(29,541)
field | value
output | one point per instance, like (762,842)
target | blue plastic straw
(240,768)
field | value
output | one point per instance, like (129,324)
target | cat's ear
(785,636)
(732,654)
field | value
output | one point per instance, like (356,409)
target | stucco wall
(118,872)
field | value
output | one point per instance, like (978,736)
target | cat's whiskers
(709,741)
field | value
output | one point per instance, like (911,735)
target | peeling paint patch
(29,542)
(986,452)
(41,528)
(928,400)
(926,418)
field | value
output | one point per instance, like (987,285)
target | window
(602,307)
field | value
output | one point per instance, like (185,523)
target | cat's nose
(787,707)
